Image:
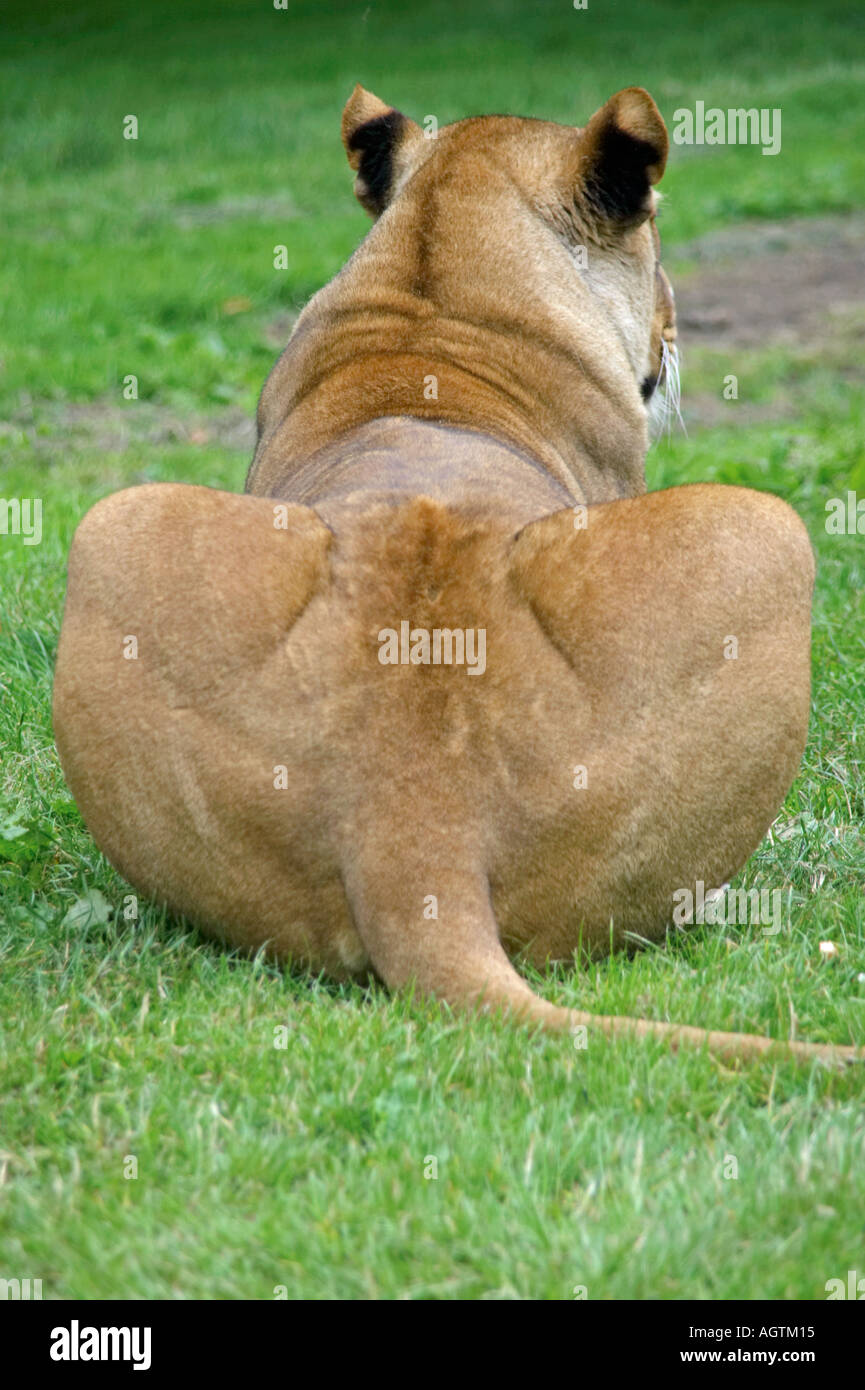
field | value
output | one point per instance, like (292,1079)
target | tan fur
(259,768)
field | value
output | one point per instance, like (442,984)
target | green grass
(303,1166)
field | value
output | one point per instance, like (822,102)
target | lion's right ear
(379,142)
(623,151)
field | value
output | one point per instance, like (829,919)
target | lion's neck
(532,365)
(395,457)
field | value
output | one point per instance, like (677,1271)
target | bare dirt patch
(797,285)
(782,282)
(106,427)
(193,214)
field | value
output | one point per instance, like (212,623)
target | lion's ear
(623,151)
(378,141)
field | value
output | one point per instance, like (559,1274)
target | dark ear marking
(375,142)
(623,153)
(618,184)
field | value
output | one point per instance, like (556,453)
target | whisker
(666,402)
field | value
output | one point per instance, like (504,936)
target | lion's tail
(439,932)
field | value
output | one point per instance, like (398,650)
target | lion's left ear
(623,151)
(379,142)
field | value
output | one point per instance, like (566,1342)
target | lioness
(447,686)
